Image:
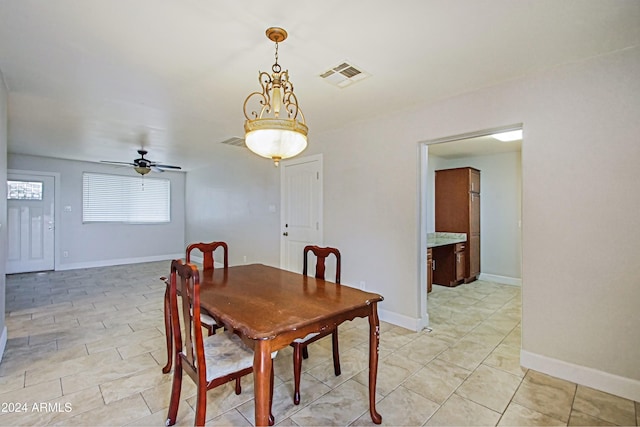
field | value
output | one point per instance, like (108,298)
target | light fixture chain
(276,67)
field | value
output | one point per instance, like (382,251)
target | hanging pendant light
(276,128)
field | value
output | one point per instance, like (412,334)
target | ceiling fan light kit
(276,128)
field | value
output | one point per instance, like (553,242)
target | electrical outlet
(244,259)
(65,254)
(362,284)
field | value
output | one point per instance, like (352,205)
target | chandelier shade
(275,127)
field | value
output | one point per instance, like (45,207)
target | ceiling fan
(143,166)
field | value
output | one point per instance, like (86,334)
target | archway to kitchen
(499,163)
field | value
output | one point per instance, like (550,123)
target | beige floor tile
(117,413)
(103,371)
(402,407)
(12,382)
(40,392)
(352,361)
(490,387)
(437,380)
(449,333)
(283,407)
(504,325)
(25,415)
(343,405)
(577,418)
(134,383)
(547,395)
(466,354)
(83,401)
(423,349)
(514,339)
(517,415)
(185,418)
(232,418)
(457,411)
(605,406)
(348,337)
(223,398)
(158,342)
(392,371)
(394,339)
(123,340)
(486,335)
(506,358)
(88,336)
(158,397)
(287,422)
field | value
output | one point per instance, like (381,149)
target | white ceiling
(95,80)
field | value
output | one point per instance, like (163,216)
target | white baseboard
(410,323)
(121,261)
(599,380)
(505,280)
(3,342)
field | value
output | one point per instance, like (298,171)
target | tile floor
(86,347)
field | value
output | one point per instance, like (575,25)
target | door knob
(285,233)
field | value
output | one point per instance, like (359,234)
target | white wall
(500,211)
(231,200)
(97,244)
(581,230)
(3,210)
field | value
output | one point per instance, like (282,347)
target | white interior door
(30,223)
(301,212)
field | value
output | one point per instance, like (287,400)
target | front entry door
(301,211)
(30,223)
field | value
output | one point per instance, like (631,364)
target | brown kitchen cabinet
(448,264)
(460,262)
(457,210)
(429,269)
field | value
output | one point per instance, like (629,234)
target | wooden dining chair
(208,322)
(208,250)
(300,345)
(208,262)
(211,361)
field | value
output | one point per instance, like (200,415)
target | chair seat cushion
(307,338)
(225,353)
(206,319)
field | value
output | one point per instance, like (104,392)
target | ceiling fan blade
(167,166)
(156,168)
(117,163)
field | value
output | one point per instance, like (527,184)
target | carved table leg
(262,366)
(374,340)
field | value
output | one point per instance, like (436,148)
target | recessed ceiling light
(513,135)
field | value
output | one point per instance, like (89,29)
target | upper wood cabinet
(457,210)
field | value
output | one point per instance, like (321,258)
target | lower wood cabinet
(429,269)
(449,264)
(460,262)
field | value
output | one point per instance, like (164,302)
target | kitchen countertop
(442,239)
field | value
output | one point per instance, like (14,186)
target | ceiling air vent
(235,141)
(344,75)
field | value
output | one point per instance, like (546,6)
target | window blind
(118,198)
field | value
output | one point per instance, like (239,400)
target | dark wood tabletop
(263,302)
(269,308)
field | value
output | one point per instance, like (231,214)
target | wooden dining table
(269,308)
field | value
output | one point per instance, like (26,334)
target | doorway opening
(499,163)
